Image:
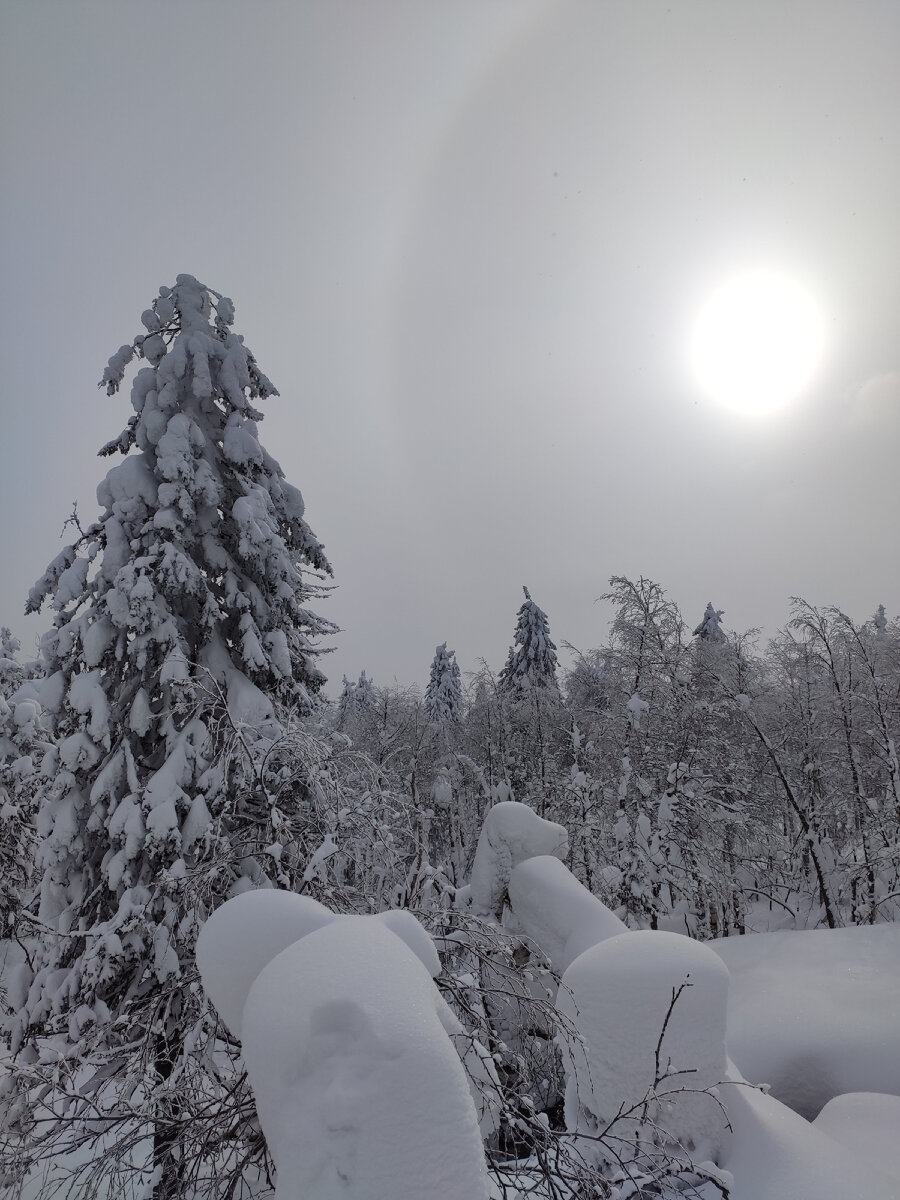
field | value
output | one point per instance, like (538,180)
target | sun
(757,342)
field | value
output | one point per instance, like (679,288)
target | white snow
(411,931)
(132,479)
(557,912)
(868,1124)
(140,717)
(353,1073)
(511,832)
(248,931)
(650,1008)
(243,936)
(774,1154)
(77,750)
(86,695)
(316,865)
(815,1013)
(71,583)
(637,709)
(196,823)
(96,639)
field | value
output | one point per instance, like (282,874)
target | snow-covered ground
(815,1014)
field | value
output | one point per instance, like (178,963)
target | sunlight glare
(757,342)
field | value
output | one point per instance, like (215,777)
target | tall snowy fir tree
(532,706)
(531,663)
(443,695)
(181,622)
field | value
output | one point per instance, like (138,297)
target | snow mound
(774,1154)
(558,912)
(650,1011)
(511,833)
(243,936)
(353,1072)
(868,1124)
(813,1013)
(245,933)
(409,930)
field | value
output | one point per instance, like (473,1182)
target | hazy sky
(467,240)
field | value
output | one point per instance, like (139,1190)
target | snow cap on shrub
(650,1011)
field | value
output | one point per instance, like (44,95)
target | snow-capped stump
(649,1009)
(557,912)
(347,1053)
(245,933)
(511,833)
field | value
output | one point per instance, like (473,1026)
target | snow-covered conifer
(181,618)
(710,628)
(22,746)
(443,696)
(531,662)
(364,696)
(346,702)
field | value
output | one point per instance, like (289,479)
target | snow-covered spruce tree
(529,687)
(345,703)
(365,696)
(443,696)
(531,662)
(181,619)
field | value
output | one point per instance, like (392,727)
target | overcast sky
(467,240)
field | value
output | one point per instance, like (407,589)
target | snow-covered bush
(650,1011)
(346,1042)
(813,1013)
(511,832)
(557,912)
